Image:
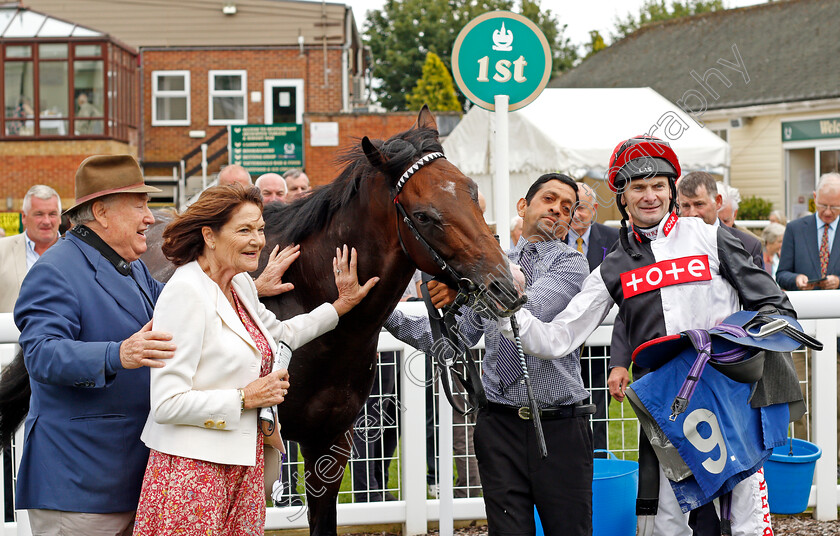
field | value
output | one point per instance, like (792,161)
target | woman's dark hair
(182,239)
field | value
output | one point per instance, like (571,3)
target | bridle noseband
(464,284)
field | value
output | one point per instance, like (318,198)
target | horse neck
(368,223)
(380,248)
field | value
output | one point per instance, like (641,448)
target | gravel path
(782,526)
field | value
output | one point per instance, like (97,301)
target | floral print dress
(184,496)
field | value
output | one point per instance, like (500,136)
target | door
(283,101)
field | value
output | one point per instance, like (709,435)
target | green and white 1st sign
(501,53)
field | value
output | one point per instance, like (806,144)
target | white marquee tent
(574,131)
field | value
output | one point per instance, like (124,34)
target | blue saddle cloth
(720,437)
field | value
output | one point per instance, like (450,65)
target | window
(63,81)
(170,98)
(228,91)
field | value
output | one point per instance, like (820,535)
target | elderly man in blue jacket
(84,316)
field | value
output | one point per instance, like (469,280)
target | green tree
(595,44)
(404,31)
(434,88)
(564,54)
(659,10)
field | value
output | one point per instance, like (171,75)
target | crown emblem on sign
(502,39)
(289,148)
(788,133)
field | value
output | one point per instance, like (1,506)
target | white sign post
(501,62)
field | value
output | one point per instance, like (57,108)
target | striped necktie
(507,363)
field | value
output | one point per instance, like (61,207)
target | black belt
(550,413)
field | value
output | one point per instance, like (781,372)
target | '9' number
(706,444)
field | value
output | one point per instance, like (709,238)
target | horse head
(440,226)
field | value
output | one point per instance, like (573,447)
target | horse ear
(374,156)
(425,119)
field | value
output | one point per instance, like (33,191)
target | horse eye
(421,217)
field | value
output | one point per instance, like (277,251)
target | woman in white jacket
(205,469)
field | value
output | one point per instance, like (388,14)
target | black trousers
(514,478)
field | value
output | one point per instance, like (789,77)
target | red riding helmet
(639,157)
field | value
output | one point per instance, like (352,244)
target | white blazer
(195,406)
(12,269)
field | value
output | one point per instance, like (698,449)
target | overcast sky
(581,16)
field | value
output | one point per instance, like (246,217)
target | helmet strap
(622,235)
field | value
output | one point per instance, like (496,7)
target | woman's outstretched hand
(350,293)
(270,282)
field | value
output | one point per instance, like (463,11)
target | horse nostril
(501,292)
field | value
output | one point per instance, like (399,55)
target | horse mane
(305,216)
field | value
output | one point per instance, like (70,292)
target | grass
(622,429)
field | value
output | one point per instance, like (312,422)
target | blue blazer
(801,253)
(82,450)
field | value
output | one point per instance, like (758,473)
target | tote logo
(665,274)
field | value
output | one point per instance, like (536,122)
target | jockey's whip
(532,401)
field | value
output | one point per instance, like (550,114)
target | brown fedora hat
(101,175)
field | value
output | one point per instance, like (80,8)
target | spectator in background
(772,236)
(272,187)
(85,109)
(41,216)
(297,183)
(810,258)
(515,230)
(730,199)
(776,217)
(810,255)
(23,110)
(698,196)
(234,173)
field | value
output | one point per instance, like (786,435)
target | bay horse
(332,376)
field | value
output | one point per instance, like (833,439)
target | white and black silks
(691,276)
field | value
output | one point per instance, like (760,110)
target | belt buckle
(524,413)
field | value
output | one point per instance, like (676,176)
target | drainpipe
(141,120)
(345,60)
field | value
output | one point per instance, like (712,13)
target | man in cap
(705,276)
(84,315)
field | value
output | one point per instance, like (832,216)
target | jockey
(667,275)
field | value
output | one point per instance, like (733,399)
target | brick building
(203,66)
(68,91)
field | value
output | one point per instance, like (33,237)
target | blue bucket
(614,487)
(789,477)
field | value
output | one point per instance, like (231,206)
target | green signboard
(266,148)
(501,53)
(811,129)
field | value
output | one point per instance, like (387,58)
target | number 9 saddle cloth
(712,427)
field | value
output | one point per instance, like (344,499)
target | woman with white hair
(772,236)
